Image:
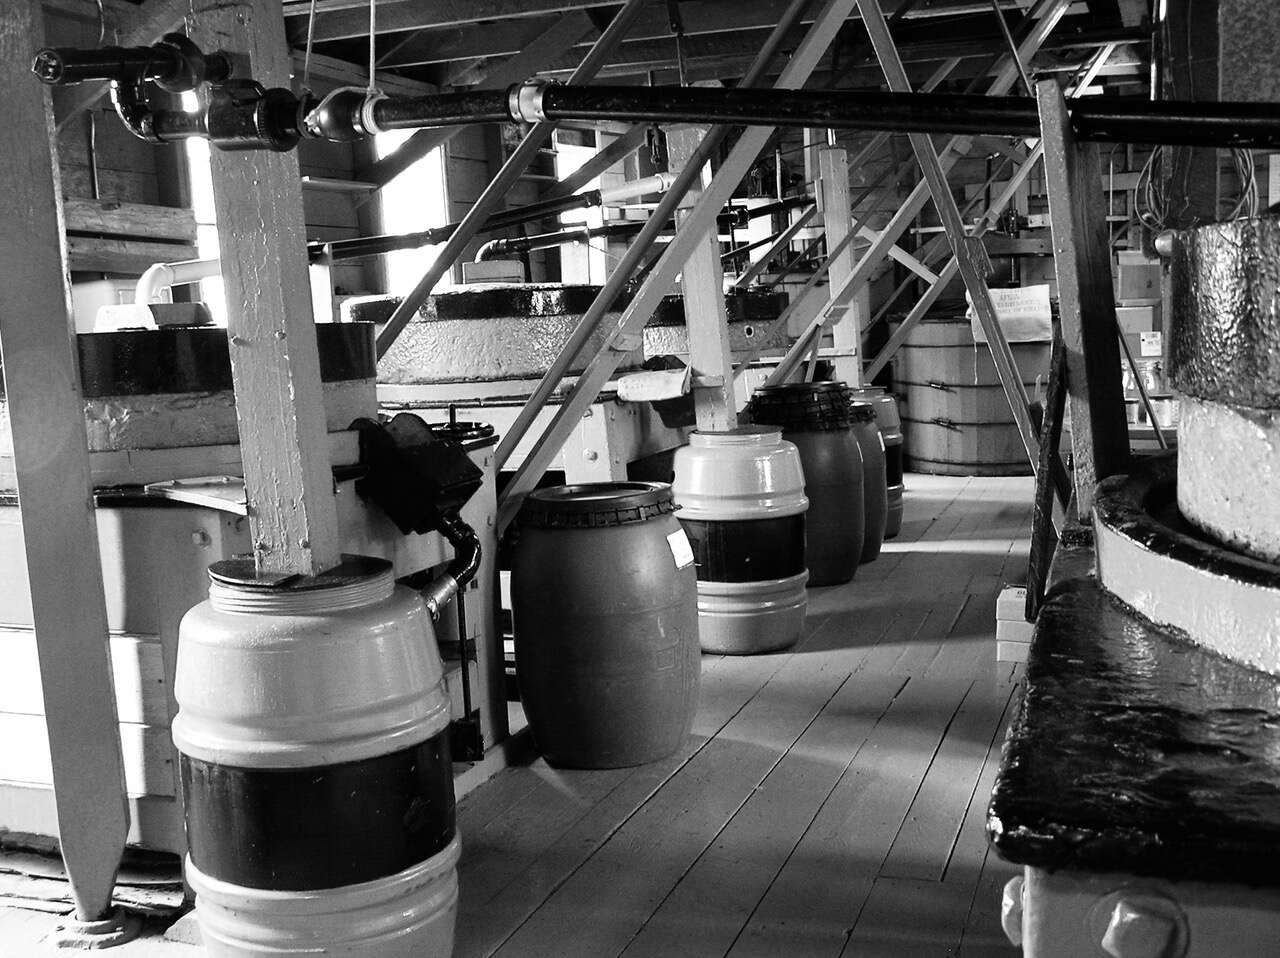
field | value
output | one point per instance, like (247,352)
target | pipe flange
(368,122)
(524,100)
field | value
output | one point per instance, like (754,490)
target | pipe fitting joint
(524,100)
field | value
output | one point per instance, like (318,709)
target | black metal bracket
(466,739)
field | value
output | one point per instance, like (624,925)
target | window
(200,178)
(414,201)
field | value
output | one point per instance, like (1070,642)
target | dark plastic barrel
(890,425)
(818,418)
(605,611)
(874,478)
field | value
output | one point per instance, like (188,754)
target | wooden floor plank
(629,875)
(707,909)
(500,887)
(811,906)
(923,846)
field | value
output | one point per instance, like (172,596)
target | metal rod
(622,273)
(1142,389)
(506,177)
(692,232)
(362,246)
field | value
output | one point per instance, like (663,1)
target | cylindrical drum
(605,609)
(742,501)
(875,484)
(313,740)
(1225,364)
(890,426)
(816,417)
(957,421)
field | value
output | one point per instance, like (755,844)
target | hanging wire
(306,58)
(373,45)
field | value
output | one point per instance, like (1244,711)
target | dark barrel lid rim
(596,504)
(803,407)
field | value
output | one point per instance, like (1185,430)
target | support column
(832,192)
(1086,299)
(702,281)
(275,367)
(55,495)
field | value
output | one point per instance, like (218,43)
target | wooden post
(274,363)
(702,281)
(837,220)
(55,496)
(1086,300)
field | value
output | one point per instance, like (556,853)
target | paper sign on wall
(1151,343)
(1025,315)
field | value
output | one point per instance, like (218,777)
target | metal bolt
(590,455)
(201,538)
(1011,910)
(1135,931)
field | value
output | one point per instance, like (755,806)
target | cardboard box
(1007,630)
(1012,651)
(1012,603)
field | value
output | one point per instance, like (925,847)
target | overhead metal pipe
(1113,119)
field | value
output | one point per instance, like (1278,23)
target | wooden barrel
(604,604)
(956,418)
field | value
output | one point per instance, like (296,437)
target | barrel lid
(862,411)
(594,505)
(745,435)
(241,573)
(802,407)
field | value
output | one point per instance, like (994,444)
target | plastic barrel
(313,744)
(890,426)
(957,420)
(875,483)
(742,501)
(817,418)
(604,605)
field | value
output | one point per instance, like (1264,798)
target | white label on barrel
(681,551)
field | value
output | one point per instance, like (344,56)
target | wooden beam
(275,367)
(702,283)
(1086,299)
(551,43)
(832,192)
(55,496)
(349,19)
(129,219)
(111,255)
